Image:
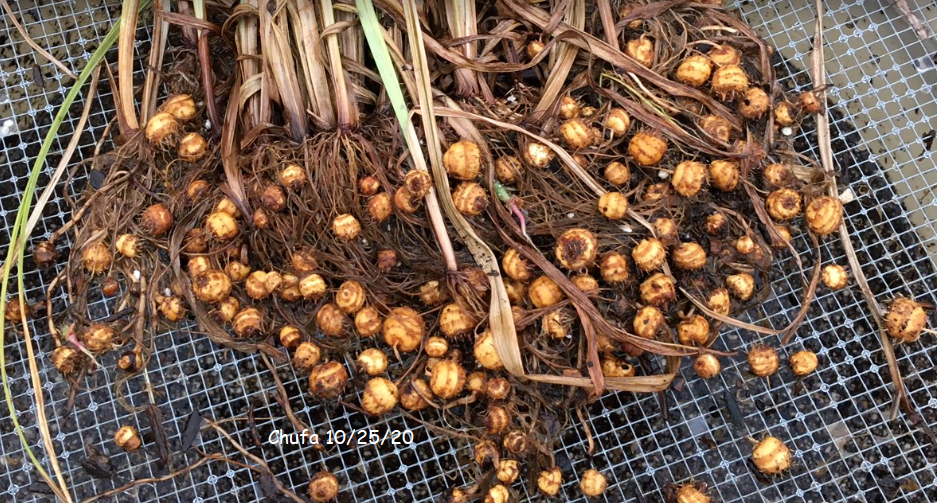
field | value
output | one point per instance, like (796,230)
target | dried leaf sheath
(247,38)
(279,65)
(346,105)
(565,55)
(127,103)
(312,57)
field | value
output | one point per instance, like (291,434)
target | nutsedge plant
(16,253)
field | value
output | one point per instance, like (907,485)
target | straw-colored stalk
(311,51)
(185,8)
(818,71)
(463,23)
(566,56)
(126,111)
(278,58)
(151,85)
(354,55)
(608,23)
(341,84)
(253,99)
(350,38)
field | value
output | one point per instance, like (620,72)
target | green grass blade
(374,33)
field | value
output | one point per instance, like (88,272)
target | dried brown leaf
(347,110)
(565,57)
(278,64)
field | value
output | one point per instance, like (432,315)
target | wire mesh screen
(846,446)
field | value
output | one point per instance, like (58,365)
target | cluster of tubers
(648,240)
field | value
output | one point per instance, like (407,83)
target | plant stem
(204,57)
(344,100)
(309,44)
(278,65)
(374,34)
(608,23)
(463,23)
(128,27)
(566,56)
(826,160)
(151,86)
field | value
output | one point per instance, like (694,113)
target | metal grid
(846,448)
